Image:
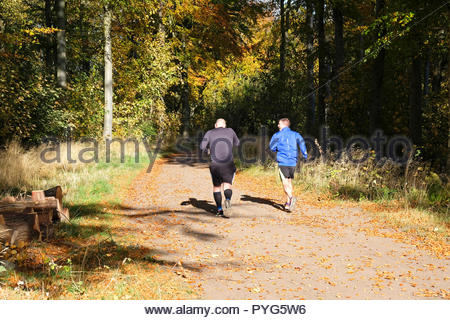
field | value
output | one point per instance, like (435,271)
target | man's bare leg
(288,189)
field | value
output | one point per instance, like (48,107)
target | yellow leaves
(430,266)
(284,266)
(332,283)
(327,280)
(350,269)
(386,275)
(442,293)
(256,290)
(37,31)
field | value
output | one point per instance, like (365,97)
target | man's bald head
(221,123)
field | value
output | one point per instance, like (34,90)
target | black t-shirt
(220,142)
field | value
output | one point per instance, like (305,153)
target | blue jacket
(285,143)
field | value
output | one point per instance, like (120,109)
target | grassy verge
(98,255)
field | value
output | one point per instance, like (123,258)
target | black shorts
(222,172)
(286,172)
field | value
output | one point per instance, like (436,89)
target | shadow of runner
(204,236)
(201,204)
(262,201)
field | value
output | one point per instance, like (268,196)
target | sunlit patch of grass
(127,279)
(91,257)
(24,170)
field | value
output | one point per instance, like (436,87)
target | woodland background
(354,66)
(149,69)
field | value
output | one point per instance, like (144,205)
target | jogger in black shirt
(220,142)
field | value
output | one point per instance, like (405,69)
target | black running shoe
(220,214)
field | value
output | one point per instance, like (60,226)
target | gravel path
(261,252)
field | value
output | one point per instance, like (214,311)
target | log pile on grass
(32,218)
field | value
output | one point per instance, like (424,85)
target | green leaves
(385,30)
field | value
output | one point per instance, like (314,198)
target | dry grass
(96,255)
(414,185)
(132,281)
(23,169)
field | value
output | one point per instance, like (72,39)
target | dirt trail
(261,252)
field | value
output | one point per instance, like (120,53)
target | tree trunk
(437,77)
(49,54)
(378,75)
(162,29)
(338,20)
(287,15)
(322,63)
(448,115)
(185,93)
(85,62)
(338,40)
(61,73)
(415,101)
(361,45)
(185,103)
(107,127)
(283,41)
(309,27)
(426,80)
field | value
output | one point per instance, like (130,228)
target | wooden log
(14,235)
(22,205)
(64,215)
(26,227)
(8,199)
(37,195)
(4,230)
(45,216)
(55,192)
(60,214)
(47,231)
(26,219)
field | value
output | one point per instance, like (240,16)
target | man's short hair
(286,121)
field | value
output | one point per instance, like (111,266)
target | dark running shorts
(222,172)
(286,172)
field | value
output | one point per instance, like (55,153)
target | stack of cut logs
(33,217)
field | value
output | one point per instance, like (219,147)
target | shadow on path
(200,204)
(262,201)
(204,236)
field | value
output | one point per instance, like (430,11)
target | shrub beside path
(262,252)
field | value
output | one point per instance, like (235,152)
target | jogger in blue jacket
(285,143)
